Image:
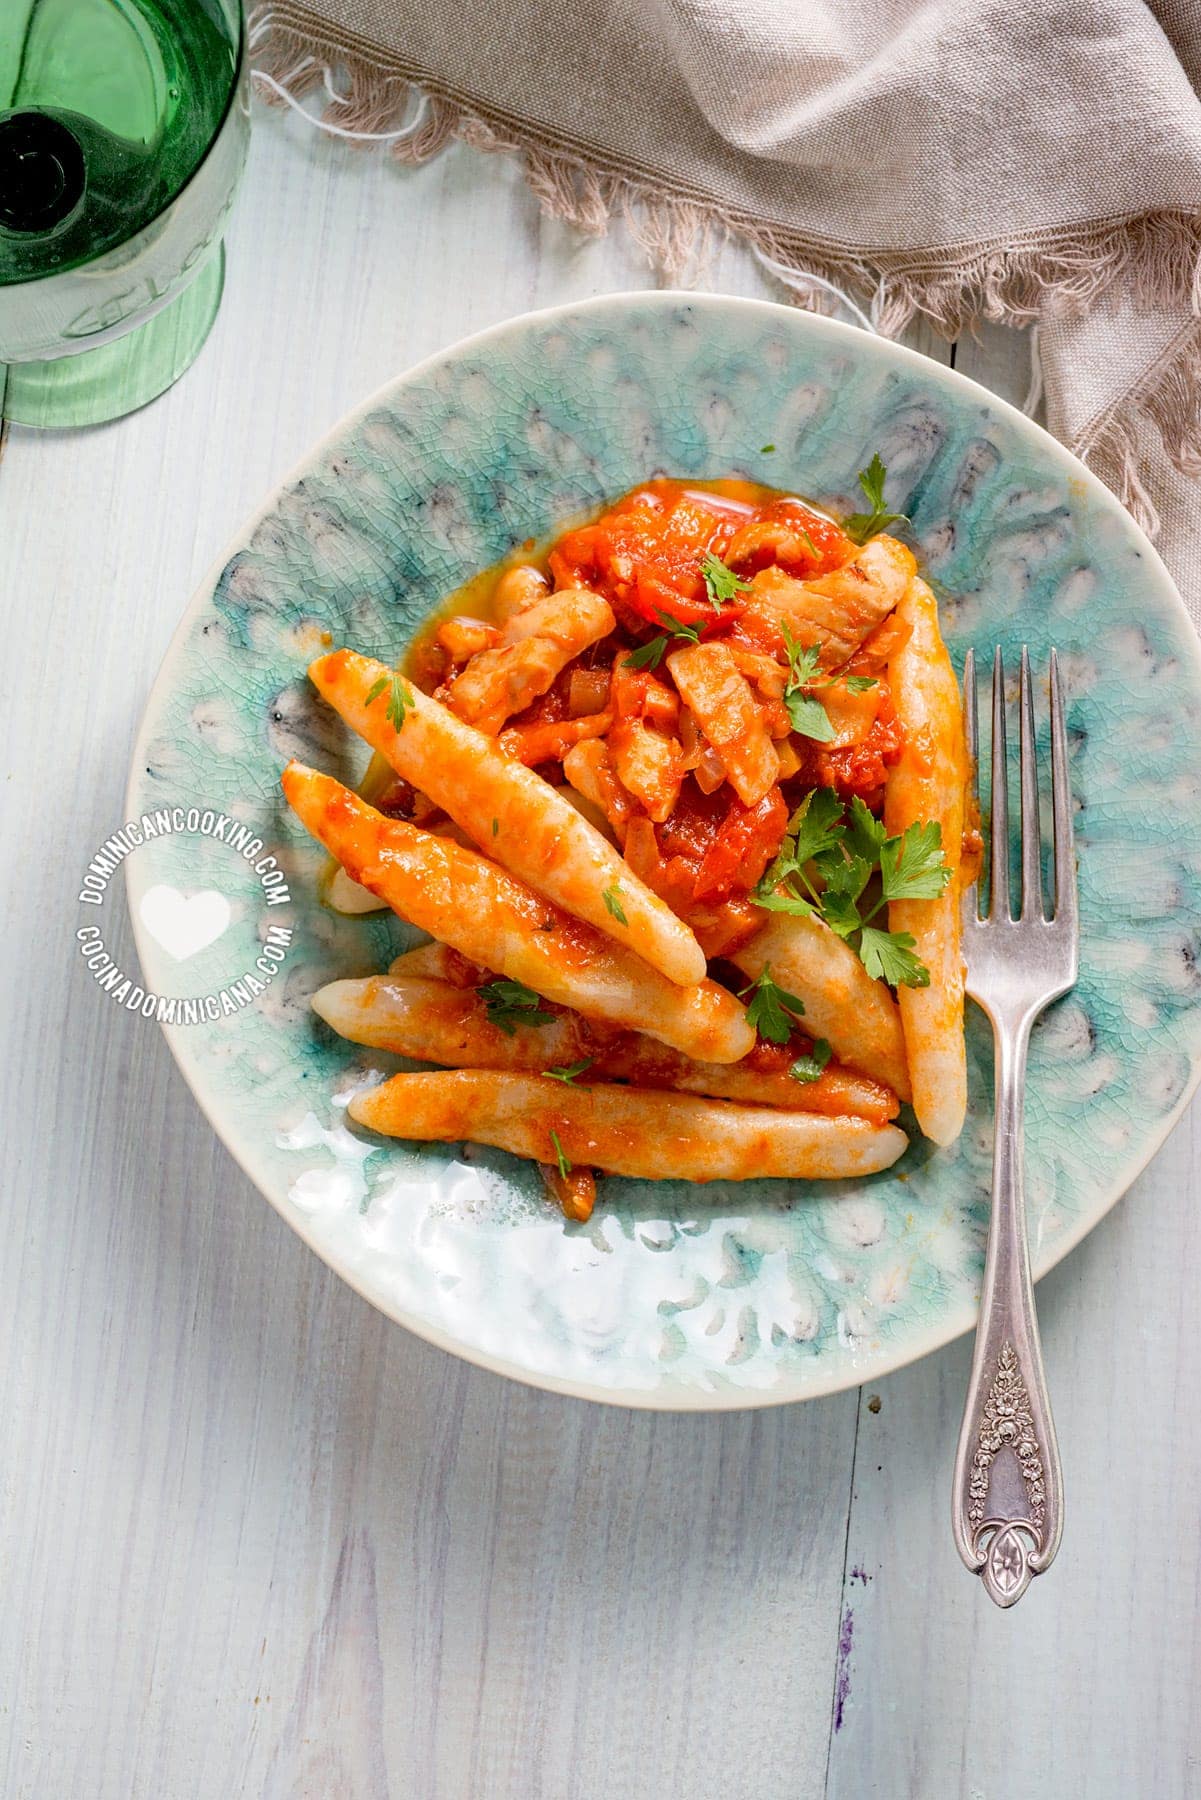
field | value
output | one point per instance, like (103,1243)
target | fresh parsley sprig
(808,715)
(612,899)
(814,830)
(650,654)
(888,956)
(721,583)
(809,1068)
(864,525)
(560,1157)
(912,866)
(399,698)
(846,849)
(569,1073)
(771,1010)
(510,1004)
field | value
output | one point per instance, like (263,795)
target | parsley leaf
(912,866)
(861,526)
(564,1165)
(778,871)
(571,1071)
(771,1011)
(865,833)
(871,480)
(778,899)
(802,659)
(840,913)
(399,703)
(888,956)
(859,684)
(399,699)
(612,900)
(721,583)
(808,1068)
(510,1004)
(650,654)
(677,627)
(808,715)
(766,449)
(844,873)
(816,825)
(813,830)
(495,827)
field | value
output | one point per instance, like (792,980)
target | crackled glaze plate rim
(958,1319)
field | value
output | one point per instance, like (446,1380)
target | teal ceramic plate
(675,1295)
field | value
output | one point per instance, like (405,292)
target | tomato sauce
(645,554)
(861,768)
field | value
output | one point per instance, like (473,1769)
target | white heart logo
(183,924)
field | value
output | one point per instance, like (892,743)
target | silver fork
(1007,1506)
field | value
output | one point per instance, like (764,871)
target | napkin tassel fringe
(1168,402)
(1157,255)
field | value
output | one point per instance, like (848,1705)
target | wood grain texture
(255,1539)
(1088,1687)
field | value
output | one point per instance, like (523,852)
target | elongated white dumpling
(515,817)
(642,1132)
(929,782)
(490,917)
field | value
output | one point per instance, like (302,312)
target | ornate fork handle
(1008,1505)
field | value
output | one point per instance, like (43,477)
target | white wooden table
(255,1540)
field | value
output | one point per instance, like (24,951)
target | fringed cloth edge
(364,98)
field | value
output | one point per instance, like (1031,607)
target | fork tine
(998,893)
(1061,808)
(971,732)
(1032,848)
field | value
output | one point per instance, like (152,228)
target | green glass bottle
(123,129)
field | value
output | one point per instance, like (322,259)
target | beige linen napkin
(1028,161)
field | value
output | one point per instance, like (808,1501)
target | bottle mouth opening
(42,172)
